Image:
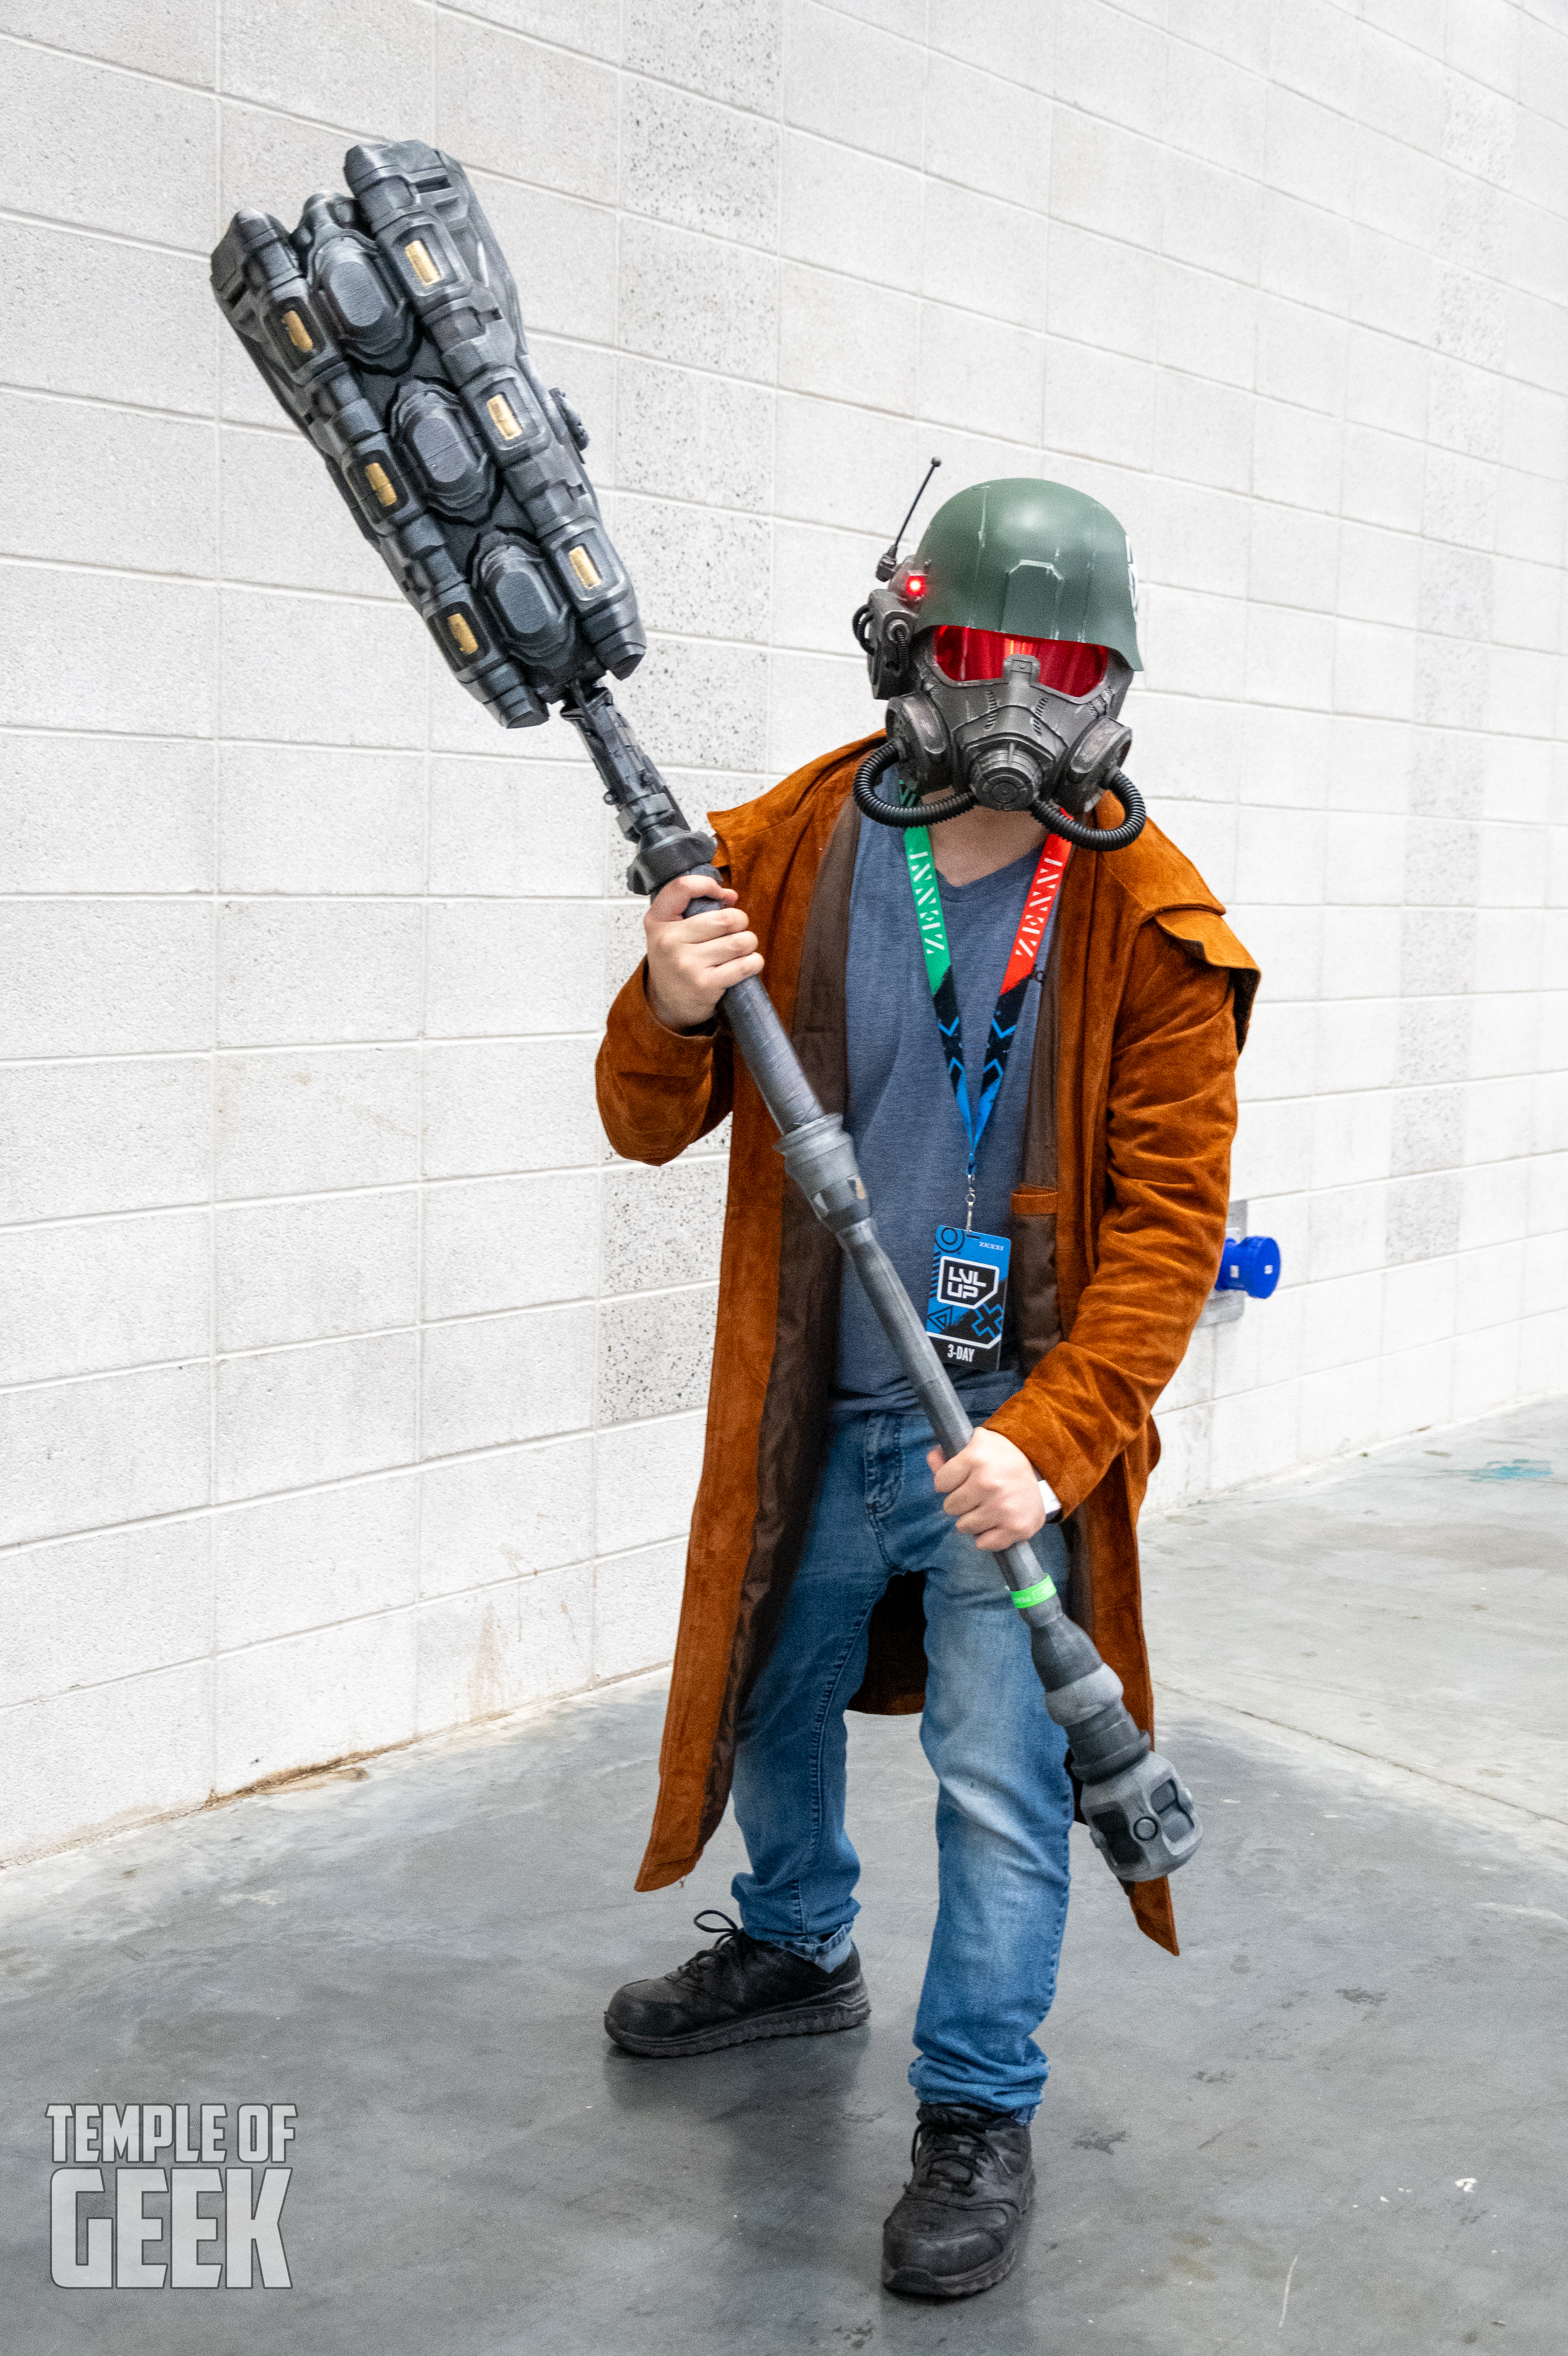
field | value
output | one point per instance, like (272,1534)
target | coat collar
(770,849)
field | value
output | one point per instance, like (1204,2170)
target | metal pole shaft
(1139,1812)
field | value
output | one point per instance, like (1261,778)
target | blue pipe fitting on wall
(1250,1265)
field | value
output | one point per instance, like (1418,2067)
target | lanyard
(1023,965)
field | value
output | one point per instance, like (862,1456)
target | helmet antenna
(889,558)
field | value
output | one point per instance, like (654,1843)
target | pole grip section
(763,1041)
(770,1058)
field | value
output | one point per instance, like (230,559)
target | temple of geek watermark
(153,2196)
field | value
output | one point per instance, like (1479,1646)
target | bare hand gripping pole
(387,325)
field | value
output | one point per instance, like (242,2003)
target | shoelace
(944,2155)
(726,1936)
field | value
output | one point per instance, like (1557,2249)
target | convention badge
(969,1296)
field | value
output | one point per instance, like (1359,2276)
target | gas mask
(982,714)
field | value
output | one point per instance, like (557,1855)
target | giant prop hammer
(387,325)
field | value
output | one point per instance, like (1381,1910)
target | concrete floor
(1350,2088)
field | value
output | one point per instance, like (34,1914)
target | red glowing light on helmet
(914,588)
(1066,665)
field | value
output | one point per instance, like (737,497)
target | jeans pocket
(884,1472)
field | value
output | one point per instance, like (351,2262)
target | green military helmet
(1004,649)
(1031,559)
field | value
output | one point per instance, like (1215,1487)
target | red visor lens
(1066,666)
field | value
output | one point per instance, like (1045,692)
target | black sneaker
(734,1992)
(957,2229)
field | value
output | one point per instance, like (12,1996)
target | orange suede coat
(1118,1229)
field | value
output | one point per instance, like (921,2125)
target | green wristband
(1024,1596)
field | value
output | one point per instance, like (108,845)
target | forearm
(1094,1393)
(659,1090)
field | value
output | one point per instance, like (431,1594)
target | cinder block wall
(351,1390)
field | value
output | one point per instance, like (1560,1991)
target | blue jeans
(1004,1801)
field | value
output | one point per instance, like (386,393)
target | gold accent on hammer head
(382,483)
(457,624)
(503,417)
(297,332)
(587,572)
(420,262)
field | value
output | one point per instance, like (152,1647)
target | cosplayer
(1005,1003)
(1031,1051)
